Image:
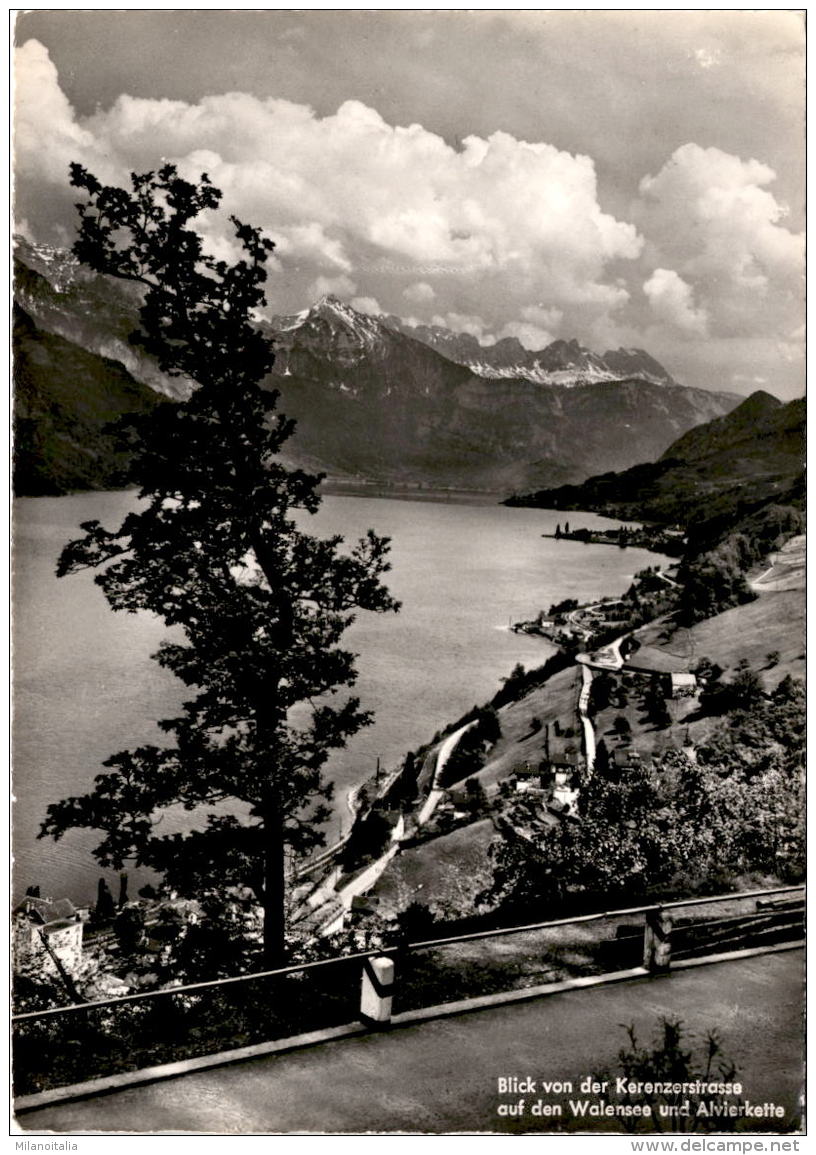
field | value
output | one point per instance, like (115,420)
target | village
(668,539)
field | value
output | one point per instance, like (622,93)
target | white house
(683,685)
(44,929)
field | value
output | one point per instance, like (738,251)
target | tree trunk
(270,730)
(274,899)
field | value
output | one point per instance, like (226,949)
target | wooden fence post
(377,992)
(657,940)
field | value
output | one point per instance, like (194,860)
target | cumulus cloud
(367,305)
(341,286)
(393,208)
(532,337)
(465,323)
(710,216)
(47,137)
(672,301)
(497,236)
(537,327)
(309,242)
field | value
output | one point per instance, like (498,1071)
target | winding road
(436,793)
(586,721)
(367,878)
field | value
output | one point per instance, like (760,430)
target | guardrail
(60,1045)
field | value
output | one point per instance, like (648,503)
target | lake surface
(85,686)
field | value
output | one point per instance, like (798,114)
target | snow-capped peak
(337,313)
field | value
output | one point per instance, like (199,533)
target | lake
(85,686)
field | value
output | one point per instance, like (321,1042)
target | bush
(521,681)
(621,726)
(676,1057)
(476,801)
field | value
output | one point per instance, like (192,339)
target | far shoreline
(407,491)
(332,487)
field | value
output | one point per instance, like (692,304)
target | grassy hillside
(736,484)
(64,399)
(774,623)
(745,459)
(449,871)
(766,636)
(523,727)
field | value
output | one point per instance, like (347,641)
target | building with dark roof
(47,933)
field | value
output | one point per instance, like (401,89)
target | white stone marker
(377,991)
(657,940)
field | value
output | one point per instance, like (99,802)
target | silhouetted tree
(746,689)
(214,549)
(675,1057)
(601,757)
(476,797)
(654,701)
(129,928)
(105,907)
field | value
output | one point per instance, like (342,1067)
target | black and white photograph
(408,574)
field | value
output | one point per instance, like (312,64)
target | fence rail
(61,1045)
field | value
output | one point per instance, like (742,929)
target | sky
(628,179)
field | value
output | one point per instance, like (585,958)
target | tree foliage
(215,548)
(521,681)
(129,928)
(682,826)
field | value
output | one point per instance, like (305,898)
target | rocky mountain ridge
(95,312)
(566,363)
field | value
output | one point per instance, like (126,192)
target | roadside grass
(556,700)
(775,621)
(460,970)
(447,871)
(474,967)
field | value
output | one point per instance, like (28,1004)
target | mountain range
(375,399)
